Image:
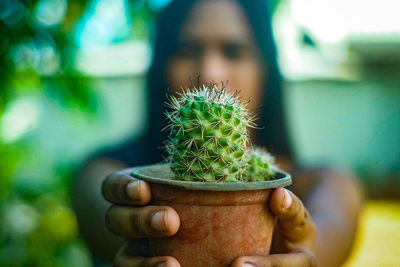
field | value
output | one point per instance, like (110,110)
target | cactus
(209,137)
(260,165)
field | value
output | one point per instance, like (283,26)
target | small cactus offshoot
(260,165)
(209,139)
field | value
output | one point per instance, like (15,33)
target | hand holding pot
(293,237)
(130,217)
(294,234)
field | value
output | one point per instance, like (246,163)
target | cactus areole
(209,138)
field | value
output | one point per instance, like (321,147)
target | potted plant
(219,186)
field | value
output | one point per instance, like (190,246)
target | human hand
(131,217)
(293,237)
(294,234)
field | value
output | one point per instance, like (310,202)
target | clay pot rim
(161,174)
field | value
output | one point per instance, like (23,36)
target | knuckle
(296,220)
(311,227)
(114,185)
(140,219)
(119,188)
(116,189)
(144,223)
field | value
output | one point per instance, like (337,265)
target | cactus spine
(209,138)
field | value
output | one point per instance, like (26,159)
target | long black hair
(273,134)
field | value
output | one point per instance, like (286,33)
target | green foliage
(209,138)
(22,38)
(37,224)
(37,66)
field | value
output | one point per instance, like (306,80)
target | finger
(163,261)
(296,259)
(121,188)
(138,222)
(293,219)
(125,259)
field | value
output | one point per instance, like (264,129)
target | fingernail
(133,190)
(162,264)
(248,264)
(159,221)
(287,200)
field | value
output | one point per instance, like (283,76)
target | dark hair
(273,134)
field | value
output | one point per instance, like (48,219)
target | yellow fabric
(378,239)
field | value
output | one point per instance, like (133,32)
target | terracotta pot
(219,221)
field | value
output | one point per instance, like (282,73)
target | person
(216,40)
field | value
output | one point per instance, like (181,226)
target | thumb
(293,220)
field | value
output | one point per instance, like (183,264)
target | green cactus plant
(209,138)
(260,165)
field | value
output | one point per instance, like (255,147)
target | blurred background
(72,80)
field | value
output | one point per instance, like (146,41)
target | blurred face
(217,43)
